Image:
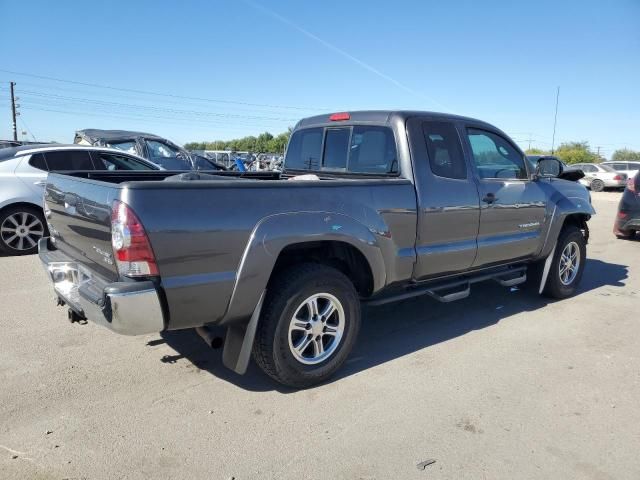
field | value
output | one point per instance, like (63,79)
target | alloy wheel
(21,231)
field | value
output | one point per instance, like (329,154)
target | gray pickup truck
(372,206)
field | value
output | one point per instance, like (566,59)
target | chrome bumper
(128,308)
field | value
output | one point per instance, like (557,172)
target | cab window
(494,156)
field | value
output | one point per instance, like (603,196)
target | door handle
(40,183)
(489,198)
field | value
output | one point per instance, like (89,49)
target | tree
(537,151)
(576,152)
(626,155)
(263,143)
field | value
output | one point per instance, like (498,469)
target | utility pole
(555,121)
(598,154)
(13,111)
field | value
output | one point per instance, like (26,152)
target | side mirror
(549,167)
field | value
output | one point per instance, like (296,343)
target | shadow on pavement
(394,330)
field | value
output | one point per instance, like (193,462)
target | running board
(457,289)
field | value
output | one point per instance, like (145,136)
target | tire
(561,284)
(597,185)
(625,234)
(20,229)
(291,294)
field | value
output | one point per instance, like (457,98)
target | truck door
(513,207)
(448,201)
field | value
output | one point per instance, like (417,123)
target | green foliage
(576,152)
(537,151)
(626,155)
(263,143)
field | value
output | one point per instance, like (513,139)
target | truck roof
(382,117)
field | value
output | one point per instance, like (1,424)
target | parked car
(627,222)
(23,175)
(158,150)
(628,168)
(375,206)
(18,143)
(598,176)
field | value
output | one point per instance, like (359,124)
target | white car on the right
(598,176)
(630,168)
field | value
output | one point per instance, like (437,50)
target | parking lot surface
(501,385)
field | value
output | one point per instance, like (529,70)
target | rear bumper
(128,308)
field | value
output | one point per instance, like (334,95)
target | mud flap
(239,342)
(545,270)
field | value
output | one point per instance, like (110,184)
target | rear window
(336,148)
(355,149)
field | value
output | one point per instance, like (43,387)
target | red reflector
(622,215)
(131,246)
(337,117)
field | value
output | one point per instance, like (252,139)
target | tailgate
(78,214)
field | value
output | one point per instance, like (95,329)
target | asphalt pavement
(502,385)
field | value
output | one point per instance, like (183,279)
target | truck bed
(202,228)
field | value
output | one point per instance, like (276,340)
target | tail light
(131,246)
(618,177)
(631,185)
(339,117)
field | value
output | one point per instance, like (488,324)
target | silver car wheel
(569,263)
(316,328)
(21,231)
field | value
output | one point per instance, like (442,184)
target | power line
(154,108)
(159,94)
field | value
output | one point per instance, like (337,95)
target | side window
(167,156)
(495,157)
(69,160)
(37,161)
(588,168)
(336,148)
(304,151)
(373,150)
(129,146)
(444,150)
(618,166)
(109,161)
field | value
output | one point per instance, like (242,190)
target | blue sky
(227,68)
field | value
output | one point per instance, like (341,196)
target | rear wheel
(20,229)
(597,185)
(625,234)
(567,265)
(308,325)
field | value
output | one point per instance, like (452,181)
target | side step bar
(457,289)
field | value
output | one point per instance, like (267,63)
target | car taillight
(131,246)
(631,185)
(617,177)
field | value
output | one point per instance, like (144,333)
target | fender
(563,207)
(275,232)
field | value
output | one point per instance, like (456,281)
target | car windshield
(128,146)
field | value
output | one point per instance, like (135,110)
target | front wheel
(567,265)
(308,325)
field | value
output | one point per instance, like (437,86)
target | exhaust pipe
(209,338)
